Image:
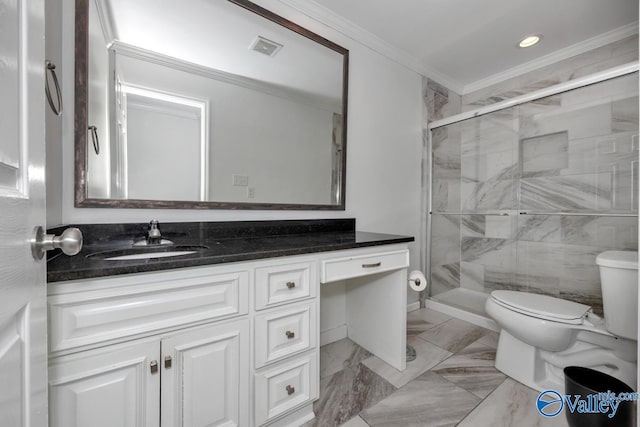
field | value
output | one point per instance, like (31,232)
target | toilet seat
(542,306)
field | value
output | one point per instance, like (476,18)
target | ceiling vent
(265,46)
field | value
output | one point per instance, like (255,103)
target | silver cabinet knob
(70,241)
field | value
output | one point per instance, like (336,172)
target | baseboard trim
(476,319)
(333,335)
(413,306)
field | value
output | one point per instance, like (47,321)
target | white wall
(54,148)
(383,146)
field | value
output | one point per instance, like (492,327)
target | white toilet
(541,334)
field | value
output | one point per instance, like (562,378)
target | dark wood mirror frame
(81,122)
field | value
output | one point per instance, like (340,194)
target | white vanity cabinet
(168,348)
(205,374)
(226,345)
(191,378)
(105,388)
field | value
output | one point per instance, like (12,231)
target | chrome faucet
(154,237)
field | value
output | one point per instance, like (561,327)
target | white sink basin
(138,253)
(148,255)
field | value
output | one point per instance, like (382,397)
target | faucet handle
(154,231)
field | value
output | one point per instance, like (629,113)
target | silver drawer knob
(290,390)
(290,335)
(291,285)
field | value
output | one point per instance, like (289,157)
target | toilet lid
(542,306)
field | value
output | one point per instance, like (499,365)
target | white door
(23,316)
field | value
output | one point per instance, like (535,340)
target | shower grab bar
(631,215)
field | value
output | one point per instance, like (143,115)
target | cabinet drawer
(279,389)
(356,266)
(284,283)
(280,333)
(101,316)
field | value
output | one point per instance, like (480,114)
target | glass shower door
(473,210)
(578,187)
(525,198)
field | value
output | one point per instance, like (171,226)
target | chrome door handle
(70,241)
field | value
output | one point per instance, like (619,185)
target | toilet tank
(619,283)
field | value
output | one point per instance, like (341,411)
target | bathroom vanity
(228,335)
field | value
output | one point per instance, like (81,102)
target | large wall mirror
(206,104)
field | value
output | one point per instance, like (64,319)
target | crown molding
(105,16)
(289,94)
(557,56)
(331,19)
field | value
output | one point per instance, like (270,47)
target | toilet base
(542,370)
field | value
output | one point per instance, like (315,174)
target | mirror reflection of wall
(173,129)
(155,124)
(98,174)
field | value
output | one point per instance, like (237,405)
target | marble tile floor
(452,382)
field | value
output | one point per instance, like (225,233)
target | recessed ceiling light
(530,40)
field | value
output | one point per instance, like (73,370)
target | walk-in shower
(525,193)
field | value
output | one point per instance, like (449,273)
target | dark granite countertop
(224,242)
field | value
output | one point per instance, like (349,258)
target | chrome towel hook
(94,137)
(51,67)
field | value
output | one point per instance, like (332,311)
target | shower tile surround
(576,151)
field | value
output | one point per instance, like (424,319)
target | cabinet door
(107,387)
(205,376)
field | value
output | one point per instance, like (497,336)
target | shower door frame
(577,83)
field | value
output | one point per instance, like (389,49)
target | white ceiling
(467,41)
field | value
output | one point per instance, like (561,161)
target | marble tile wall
(575,152)
(441,102)
(602,58)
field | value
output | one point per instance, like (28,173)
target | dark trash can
(587,383)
